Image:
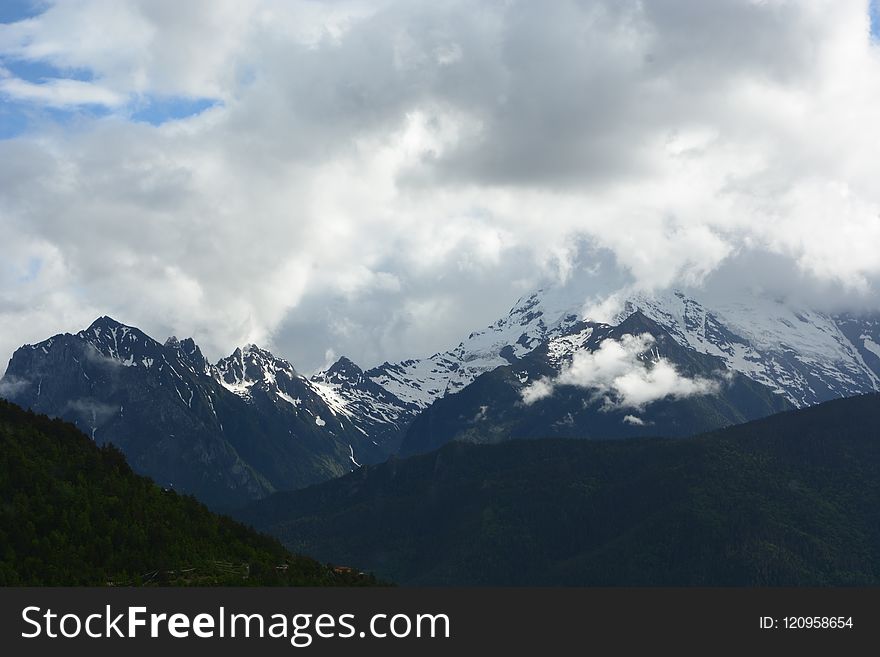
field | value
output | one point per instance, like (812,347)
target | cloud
(92,411)
(10,386)
(537,390)
(379,179)
(138,47)
(624,374)
(60,93)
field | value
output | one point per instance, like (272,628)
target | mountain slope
(808,356)
(226,433)
(787,500)
(74,513)
(493,407)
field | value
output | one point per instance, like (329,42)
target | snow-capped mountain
(803,355)
(531,322)
(229,432)
(374,410)
(807,356)
(501,405)
(388,397)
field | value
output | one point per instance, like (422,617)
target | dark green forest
(73,513)
(793,499)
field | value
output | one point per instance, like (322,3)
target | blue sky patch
(158,110)
(34,71)
(874,11)
(16,10)
(12,123)
(19,116)
(32,270)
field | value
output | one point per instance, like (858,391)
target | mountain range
(668,363)
(236,430)
(804,355)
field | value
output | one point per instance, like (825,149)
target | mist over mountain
(695,392)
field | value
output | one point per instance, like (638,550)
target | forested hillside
(73,513)
(788,500)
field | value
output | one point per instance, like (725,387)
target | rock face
(226,433)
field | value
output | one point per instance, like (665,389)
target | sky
(377,179)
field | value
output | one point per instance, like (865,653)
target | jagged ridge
(228,432)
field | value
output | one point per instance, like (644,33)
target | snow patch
(330,395)
(293,401)
(870,345)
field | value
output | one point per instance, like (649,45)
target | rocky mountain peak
(343,371)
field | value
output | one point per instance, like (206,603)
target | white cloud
(10,386)
(60,93)
(537,390)
(149,46)
(624,373)
(381,178)
(92,411)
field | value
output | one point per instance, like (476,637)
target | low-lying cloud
(92,411)
(624,374)
(10,386)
